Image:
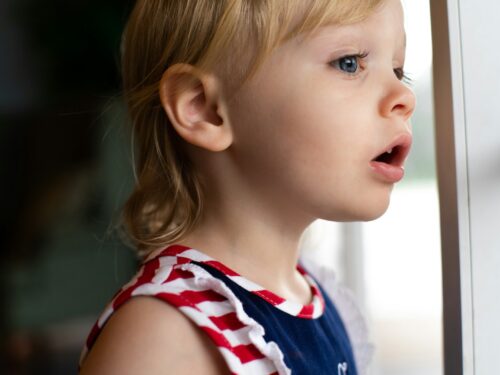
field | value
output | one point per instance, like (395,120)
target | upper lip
(400,147)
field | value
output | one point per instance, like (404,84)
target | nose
(399,100)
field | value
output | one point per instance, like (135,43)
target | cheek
(323,130)
(303,126)
(309,146)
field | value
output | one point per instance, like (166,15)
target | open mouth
(388,165)
(396,153)
(391,156)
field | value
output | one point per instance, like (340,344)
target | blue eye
(348,64)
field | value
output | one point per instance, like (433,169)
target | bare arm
(148,336)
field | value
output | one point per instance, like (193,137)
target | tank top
(256,331)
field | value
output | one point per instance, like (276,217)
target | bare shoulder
(148,336)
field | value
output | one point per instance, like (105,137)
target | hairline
(299,28)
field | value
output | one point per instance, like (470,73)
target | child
(252,119)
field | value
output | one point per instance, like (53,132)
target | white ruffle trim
(256,332)
(353,319)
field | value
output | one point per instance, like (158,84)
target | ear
(196,107)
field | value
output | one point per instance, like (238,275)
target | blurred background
(65,157)
(66,167)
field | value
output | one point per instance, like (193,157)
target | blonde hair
(167,200)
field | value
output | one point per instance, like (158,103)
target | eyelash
(403,76)
(399,72)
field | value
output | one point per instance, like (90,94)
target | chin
(365,213)
(368,211)
(372,216)
(356,208)
(374,211)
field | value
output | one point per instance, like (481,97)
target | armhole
(195,344)
(208,303)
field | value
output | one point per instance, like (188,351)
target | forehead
(281,26)
(385,25)
(305,17)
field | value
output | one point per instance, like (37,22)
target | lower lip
(389,173)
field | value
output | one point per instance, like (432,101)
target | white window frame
(465,42)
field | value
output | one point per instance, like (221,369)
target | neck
(260,244)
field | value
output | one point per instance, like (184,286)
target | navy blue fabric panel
(310,346)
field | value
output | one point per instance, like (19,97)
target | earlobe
(196,108)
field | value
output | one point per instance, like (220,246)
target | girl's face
(310,125)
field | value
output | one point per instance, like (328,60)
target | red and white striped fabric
(171,276)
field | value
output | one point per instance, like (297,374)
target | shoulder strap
(211,305)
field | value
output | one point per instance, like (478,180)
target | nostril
(399,107)
(398,101)
(404,109)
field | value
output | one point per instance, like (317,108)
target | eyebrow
(344,34)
